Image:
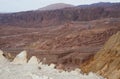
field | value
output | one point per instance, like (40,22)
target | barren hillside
(58,17)
(56,6)
(107,61)
(64,44)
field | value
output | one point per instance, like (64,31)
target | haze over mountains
(101,4)
(56,6)
(61,16)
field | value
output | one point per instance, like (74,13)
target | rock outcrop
(21,58)
(2,58)
(21,69)
(107,61)
(33,60)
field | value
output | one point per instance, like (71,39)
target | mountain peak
(56,6)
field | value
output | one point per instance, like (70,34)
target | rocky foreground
(107,61)
(19,68)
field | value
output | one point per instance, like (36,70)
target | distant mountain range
(56,6)
(103,4)
(52,17)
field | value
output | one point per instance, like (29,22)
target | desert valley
(86,37)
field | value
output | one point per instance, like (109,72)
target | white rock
(34,76)
(78,70)
(21,58)
(28,71)
(2,58)
(74,72)
(52,65)
(33,60)
(40,63)
(1,52)
(92,75)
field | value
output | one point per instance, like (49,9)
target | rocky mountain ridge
(56,6)
(65,44)
(107,61)
(58,17)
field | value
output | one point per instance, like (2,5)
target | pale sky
(24,5)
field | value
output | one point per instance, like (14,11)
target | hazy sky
(23,5)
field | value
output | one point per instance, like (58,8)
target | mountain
(64,34)
(100,4)
(61,44)
(107,61)
(57,17)
(56,6)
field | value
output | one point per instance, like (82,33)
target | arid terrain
(69,44)
(56,6)
(68,36)
(107,61)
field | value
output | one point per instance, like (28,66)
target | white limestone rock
(34,76)
(76,71)
(52,66)
(2,58)
(21,58)
(29,71)
(33,60)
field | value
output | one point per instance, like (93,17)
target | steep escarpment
(56,17)
(107,61)
(64,44)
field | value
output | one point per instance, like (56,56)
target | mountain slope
(56,6)
(63,44)
(100,4)
(107,61)
(61,16)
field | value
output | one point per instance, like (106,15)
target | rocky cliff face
(57,17)
(107,61)
(64,44)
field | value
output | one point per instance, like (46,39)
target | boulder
(52,66)
(33,60)
(21,58)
